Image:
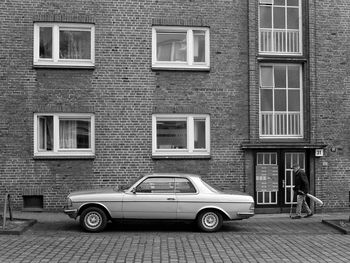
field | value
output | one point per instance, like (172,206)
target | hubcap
(210,220)
(93,220)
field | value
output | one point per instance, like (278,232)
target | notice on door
(266,178)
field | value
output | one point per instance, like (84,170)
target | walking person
(301,188)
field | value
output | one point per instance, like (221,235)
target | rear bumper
(72,213)
(245,215)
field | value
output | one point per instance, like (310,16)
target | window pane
(273,158)
(293,100)
(294,77)
(260,157)
(279,17)
(74,134)
(266,100)
(199,134)
(171,134)
(171,46)
(75,44)
(280,100)
(45,49)
(45,133)
(292,2)
(279,2)
(265,17)
(280,76)
(293,18)
(156,185)
(266,76)
(199,46)
(182,185)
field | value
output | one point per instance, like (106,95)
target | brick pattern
(122,91)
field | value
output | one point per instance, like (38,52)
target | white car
(160,196)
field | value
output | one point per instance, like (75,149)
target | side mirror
(133,190)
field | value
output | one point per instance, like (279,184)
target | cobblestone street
(259,239)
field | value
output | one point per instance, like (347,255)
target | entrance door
(274,178)
(288,180)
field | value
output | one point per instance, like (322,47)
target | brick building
(97,93)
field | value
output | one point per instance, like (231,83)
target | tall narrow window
(281,100)
(280,27)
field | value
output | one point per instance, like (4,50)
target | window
(63,134)
(280,27)
(64,45)
(181,134)
(157,185)
(281,101)
(184,186)
(180,48)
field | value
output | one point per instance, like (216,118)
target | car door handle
(170,199)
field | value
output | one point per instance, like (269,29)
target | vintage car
(160,196)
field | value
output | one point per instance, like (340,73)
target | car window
(183,185)
(157,185)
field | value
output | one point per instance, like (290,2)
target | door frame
(280,206)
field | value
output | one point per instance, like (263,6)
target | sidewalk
(260,223)
(261,239)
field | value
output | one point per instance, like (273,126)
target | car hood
(94,192)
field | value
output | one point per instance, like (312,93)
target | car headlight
(69,202)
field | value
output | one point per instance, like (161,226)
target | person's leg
(306,207)
(300,199)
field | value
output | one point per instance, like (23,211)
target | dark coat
(301,182)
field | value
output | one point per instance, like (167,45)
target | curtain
(75,44)
(68,134)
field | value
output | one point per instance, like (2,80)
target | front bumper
(72,213)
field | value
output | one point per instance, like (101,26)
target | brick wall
(122,91)
(333,100)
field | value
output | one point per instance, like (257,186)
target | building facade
(97,93)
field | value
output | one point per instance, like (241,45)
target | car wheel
(93,219)
(209,221)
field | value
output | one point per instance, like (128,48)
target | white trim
(275,113)
(190,150)
(189,64)
(300,29)
(56,150)
(55,61)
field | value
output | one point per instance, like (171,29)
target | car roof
(172,175)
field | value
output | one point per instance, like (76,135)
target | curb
(25,224)
(335,224)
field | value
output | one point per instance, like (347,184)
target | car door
(188,202)
(153,198)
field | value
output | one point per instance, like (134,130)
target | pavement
(262,238)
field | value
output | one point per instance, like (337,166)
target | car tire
(209,221)
(93,219)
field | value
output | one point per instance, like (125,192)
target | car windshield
(129,184)
(211,187)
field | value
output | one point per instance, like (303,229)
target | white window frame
(190,135)
(55,61)
(57,151)
(273,112)
(189,63)
(272,52)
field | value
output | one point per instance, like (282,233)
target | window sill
(64,157)
(174,68)
(178,157)
(66,66)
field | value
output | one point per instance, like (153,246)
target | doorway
(274,180)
